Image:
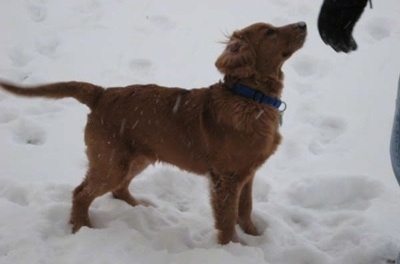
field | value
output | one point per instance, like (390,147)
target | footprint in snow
(310,66)
(335,192)
(380,27)
(8,114)
(15,193)
(37,11)
(46,45)
(142,66)
(86,7)
(161,22)
(30,133)
(328,129)
(19,57)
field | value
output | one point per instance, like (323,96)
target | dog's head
(260,50)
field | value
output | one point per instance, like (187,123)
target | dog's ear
(237,59)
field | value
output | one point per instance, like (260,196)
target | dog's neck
(269,85)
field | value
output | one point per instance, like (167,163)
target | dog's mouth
(298,43)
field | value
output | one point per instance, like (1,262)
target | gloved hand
(336,22)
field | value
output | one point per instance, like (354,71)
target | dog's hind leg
(137,165)
(82,198)
(106,172)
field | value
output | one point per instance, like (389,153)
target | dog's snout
(302,25)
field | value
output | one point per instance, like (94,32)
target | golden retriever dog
(225,131)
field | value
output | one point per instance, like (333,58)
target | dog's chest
(246,137)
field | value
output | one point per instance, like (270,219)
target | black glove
(336,22)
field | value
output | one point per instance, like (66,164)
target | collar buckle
(258,96)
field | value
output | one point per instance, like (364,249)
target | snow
(327,196)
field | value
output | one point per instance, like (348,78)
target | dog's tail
(85,93)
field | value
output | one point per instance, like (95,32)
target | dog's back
(162,124)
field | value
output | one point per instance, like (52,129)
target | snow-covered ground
(328,195)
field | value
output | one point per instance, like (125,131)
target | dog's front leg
(245,208)
(225,202)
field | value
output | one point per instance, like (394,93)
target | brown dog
(225,131)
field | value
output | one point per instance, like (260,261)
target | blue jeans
(395,139)
(395,143)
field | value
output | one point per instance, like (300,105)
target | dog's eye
(270,32)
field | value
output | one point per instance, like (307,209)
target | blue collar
(257,96)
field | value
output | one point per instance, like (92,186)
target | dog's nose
(302,25)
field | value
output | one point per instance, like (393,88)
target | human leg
(395,138)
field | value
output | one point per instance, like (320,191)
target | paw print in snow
(28,132)
(328,129)
(19,57)
(47,45)
(306,66)
(380,28)
(8,114)
(141,65)
(37,11)
(335,192)
(161,22)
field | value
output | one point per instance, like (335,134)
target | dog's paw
(249,228)
(224,239)
(145,203)
(78,222)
